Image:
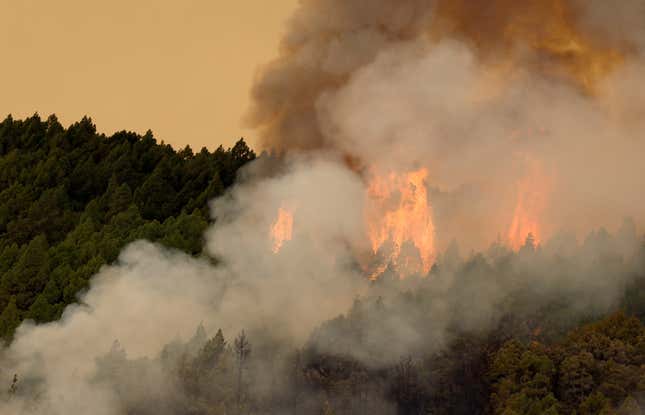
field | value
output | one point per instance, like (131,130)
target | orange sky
(182,68)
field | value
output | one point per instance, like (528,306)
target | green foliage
(9,319)
(595,370)
(71,199)
(629,407)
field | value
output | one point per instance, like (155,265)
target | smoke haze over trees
(455,198)
(483,331)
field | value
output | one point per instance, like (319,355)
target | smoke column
(479,93)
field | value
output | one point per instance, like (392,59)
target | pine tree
(156,196)
(209,355)
(118,200)
(9,319)
(242,352)
(629,407)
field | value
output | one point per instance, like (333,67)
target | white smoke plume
(153,296)
(477,93)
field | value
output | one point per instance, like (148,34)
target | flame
(543,36)
(532,194)
(399,216)
(282,229)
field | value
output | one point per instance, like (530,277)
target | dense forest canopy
(560,331)
(71,199)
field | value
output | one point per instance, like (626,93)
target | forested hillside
(71,199)
(552,329)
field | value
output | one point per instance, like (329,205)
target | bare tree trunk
(239,387)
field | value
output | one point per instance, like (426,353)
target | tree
(629,407)
(407,389)
(9,319)
(595,403)
(28,277)
(242,349)
(117,198)
(40,310)
(156,196)
(209,355)
(14,385)
(529,244)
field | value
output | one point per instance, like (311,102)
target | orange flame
(399,216)
(532,194)
(282,229)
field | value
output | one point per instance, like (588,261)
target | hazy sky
(181,68)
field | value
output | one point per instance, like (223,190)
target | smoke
(138,300)
(153,296)
(490,99)
(480,94)
(316,263)
(326,42)
(329,41)
(619,25)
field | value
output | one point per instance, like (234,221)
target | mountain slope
(71,198)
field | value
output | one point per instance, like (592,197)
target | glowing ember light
(282,229)
(400,223)
(532,194)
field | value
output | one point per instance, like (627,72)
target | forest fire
(400,224)
(440,209)
(282,229)
(508,49)
(532,193)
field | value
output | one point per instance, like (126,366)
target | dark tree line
(595,369)
(71,199)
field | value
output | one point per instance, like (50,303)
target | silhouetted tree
(242,349)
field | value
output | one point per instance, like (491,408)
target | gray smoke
(446,86)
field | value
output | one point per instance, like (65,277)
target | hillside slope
(71,199)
